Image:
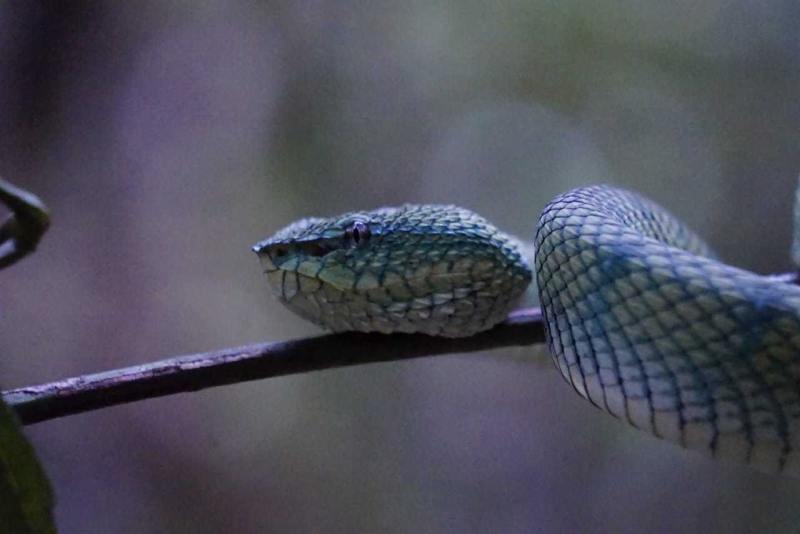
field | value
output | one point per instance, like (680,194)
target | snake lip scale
(641,319)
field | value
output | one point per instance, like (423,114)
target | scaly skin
(640,319)
(440,270)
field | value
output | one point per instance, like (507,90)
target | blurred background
(168,137)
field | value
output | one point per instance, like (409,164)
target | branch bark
(194,372)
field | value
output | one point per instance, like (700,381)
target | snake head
(440,270)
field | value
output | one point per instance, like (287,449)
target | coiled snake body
(641,320)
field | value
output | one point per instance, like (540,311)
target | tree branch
(194,372)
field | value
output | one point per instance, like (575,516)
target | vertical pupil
(358,233)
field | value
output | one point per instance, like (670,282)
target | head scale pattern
(440,270)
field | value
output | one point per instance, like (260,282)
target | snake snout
(265,256)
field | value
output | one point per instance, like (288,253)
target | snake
(641,318)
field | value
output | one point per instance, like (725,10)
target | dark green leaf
(26,500)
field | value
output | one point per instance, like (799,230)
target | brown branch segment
(194,372)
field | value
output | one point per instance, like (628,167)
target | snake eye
(358,233)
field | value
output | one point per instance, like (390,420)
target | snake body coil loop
(646,326)
(641,320)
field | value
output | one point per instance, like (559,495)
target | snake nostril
(317,250)
(281,252)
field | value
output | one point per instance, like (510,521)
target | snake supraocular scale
(641,320)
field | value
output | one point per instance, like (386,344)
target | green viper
(641,320)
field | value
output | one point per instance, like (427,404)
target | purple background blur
(168,137)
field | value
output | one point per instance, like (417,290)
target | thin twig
(193,372)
